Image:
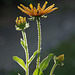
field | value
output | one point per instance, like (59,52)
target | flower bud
(21,23)
(60,58)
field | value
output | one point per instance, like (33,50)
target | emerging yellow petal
(16,20)
(21,19)
(24,19)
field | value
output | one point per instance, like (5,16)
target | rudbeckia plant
(22,25)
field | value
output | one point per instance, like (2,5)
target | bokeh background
(58,36)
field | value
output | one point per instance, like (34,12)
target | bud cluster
(20,20)
(21,23)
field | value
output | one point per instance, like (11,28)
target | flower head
(21,23)
(39,11)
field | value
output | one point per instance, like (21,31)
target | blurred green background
(58,36)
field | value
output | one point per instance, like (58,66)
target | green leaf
(23,44)
(38,72)
(45,62)
(32,57)
(20,62)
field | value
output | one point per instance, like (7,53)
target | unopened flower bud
(21,23)
(61,58)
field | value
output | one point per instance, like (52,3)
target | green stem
(53,68)
(39,41)
(26,51)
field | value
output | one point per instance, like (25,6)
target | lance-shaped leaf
(45,62)
(32,57)
(23,44)
(38,72)
(20,62)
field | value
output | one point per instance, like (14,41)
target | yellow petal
(35,11)
(26,8)
(21,20)
(20,17)
(31,6)
(24,19)
(38,6)
(16,20)
(44,5)
(49,8)
(52,10)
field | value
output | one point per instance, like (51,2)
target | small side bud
(61,58)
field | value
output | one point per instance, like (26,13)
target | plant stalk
(39,41)
(26,51)
(53,68)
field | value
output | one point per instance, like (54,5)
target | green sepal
(22,26)
(45,62)
(31,18)
(57,61)
(20,62)
(43,16)
(38,72)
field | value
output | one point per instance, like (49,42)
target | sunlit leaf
(20,62)
(45,62)
(38,72)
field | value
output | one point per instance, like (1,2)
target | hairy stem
(53,68)
(26,51)
(39,41)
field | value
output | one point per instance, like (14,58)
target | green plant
(21,25)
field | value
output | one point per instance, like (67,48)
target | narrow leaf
(45,62)
(20,62)
(38,72)
(23,44)
(32,57)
